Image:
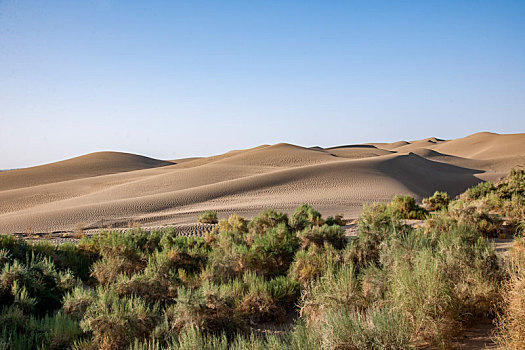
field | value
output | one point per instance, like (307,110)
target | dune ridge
(112,188)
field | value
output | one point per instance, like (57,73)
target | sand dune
(110,188)
(93,164)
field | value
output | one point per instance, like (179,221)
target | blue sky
(171,79)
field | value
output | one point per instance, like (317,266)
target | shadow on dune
(424,176)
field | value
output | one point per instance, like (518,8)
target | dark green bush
(266,220)
(512,185)
(304,216)
(407,207)
(208,217)
(310,264)
(335,220)
(319,235)
(116,321)
(271,254)
(479,191)
(36,285)
(19,332)
(439,200)
(205,308)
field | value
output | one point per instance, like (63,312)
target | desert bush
(105,271)
(271,254)
(511,318)
(374,285)
(181,259)
(227,258)
(233,253)
(21,332)
(407,207)
(77,301)
(319,235)
(472,269)
(513,184)
(310,264)
(36,285)
(234,223)
(440,222)
(266,220)
(122,253)
(338,288)
(304,216)
(189,253)
(513,210)
(419,292)
(335,220)
(487,225)
(115,322)
(208,217)
(150,287)
(376,223)
(257,304)
(285,292)
(439,200)
(378,217)
(373,329)
(207,308)
(64,256)
(478,191)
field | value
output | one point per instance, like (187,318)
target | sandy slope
(110,188)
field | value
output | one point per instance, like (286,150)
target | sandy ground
(110,189)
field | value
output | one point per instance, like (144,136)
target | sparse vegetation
(392,286)
(407,207)
(438,201)
(208,217)
(511,319)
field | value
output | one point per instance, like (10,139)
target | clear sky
(171,79)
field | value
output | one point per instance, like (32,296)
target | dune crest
(112,188)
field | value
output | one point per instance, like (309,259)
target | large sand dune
(111,188)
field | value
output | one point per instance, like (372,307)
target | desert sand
(113,189)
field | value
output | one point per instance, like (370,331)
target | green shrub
(285,292)
(487,225)
(310,264)
(304,216)
(115,322)
(473,271)
(189,253)
(513,185)
(234,223)
(374,284)
(271,254)
(265,220)
(438,201)
(478,191)
(407,207)
(376,223)
(257,304)
(420,293)
(208,217)
(335,220)
(511,316)
(64,256)
(122,253)
(374,329)
(77,301)
(20,332)
(205,308)
(36,286)
(338,288)
(319,235)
